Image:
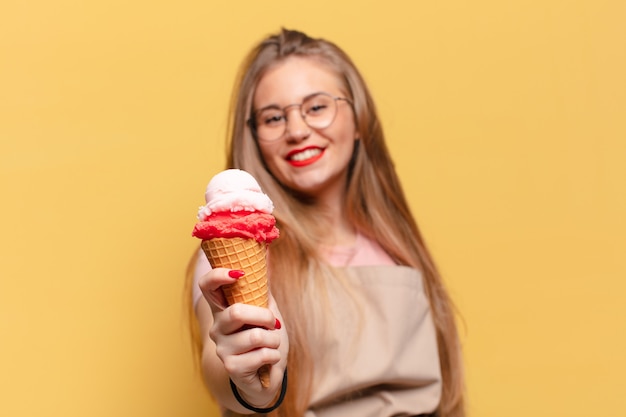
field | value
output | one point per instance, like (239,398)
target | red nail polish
(236,273)
(277,325)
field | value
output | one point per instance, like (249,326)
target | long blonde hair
(374,197)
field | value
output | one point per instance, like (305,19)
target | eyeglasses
(318,111)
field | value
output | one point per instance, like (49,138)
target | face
(310,161)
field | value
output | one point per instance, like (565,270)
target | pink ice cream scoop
(236,207)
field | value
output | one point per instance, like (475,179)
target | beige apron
(384,363)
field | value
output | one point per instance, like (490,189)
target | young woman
(358,313)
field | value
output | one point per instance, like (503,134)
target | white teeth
(309,153)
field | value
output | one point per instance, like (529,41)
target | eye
(317,108)
(317,105)
(270,117)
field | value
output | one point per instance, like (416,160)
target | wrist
(277,403)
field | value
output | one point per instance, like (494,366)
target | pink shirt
(364,252)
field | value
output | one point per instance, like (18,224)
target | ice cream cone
(247,255)
(236,225)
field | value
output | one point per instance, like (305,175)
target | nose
(296,127)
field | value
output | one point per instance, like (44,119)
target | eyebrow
(308,96)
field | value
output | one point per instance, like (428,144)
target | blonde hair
(374,197)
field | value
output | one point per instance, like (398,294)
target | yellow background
(507,121)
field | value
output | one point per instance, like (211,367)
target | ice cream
(236,225)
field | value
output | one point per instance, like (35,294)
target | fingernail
(277,325)
(236,273)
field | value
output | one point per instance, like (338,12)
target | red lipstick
(304,157)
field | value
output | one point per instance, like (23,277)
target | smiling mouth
(304,155)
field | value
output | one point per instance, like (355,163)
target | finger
(241,316)
(211,286)
(217,277)
(245,366)
(252,349)
(253,339)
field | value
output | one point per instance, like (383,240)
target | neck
(340,230)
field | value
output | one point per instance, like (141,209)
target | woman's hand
(246,338)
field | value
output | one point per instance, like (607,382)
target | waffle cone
(247,255)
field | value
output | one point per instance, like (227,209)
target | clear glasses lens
(318,112)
